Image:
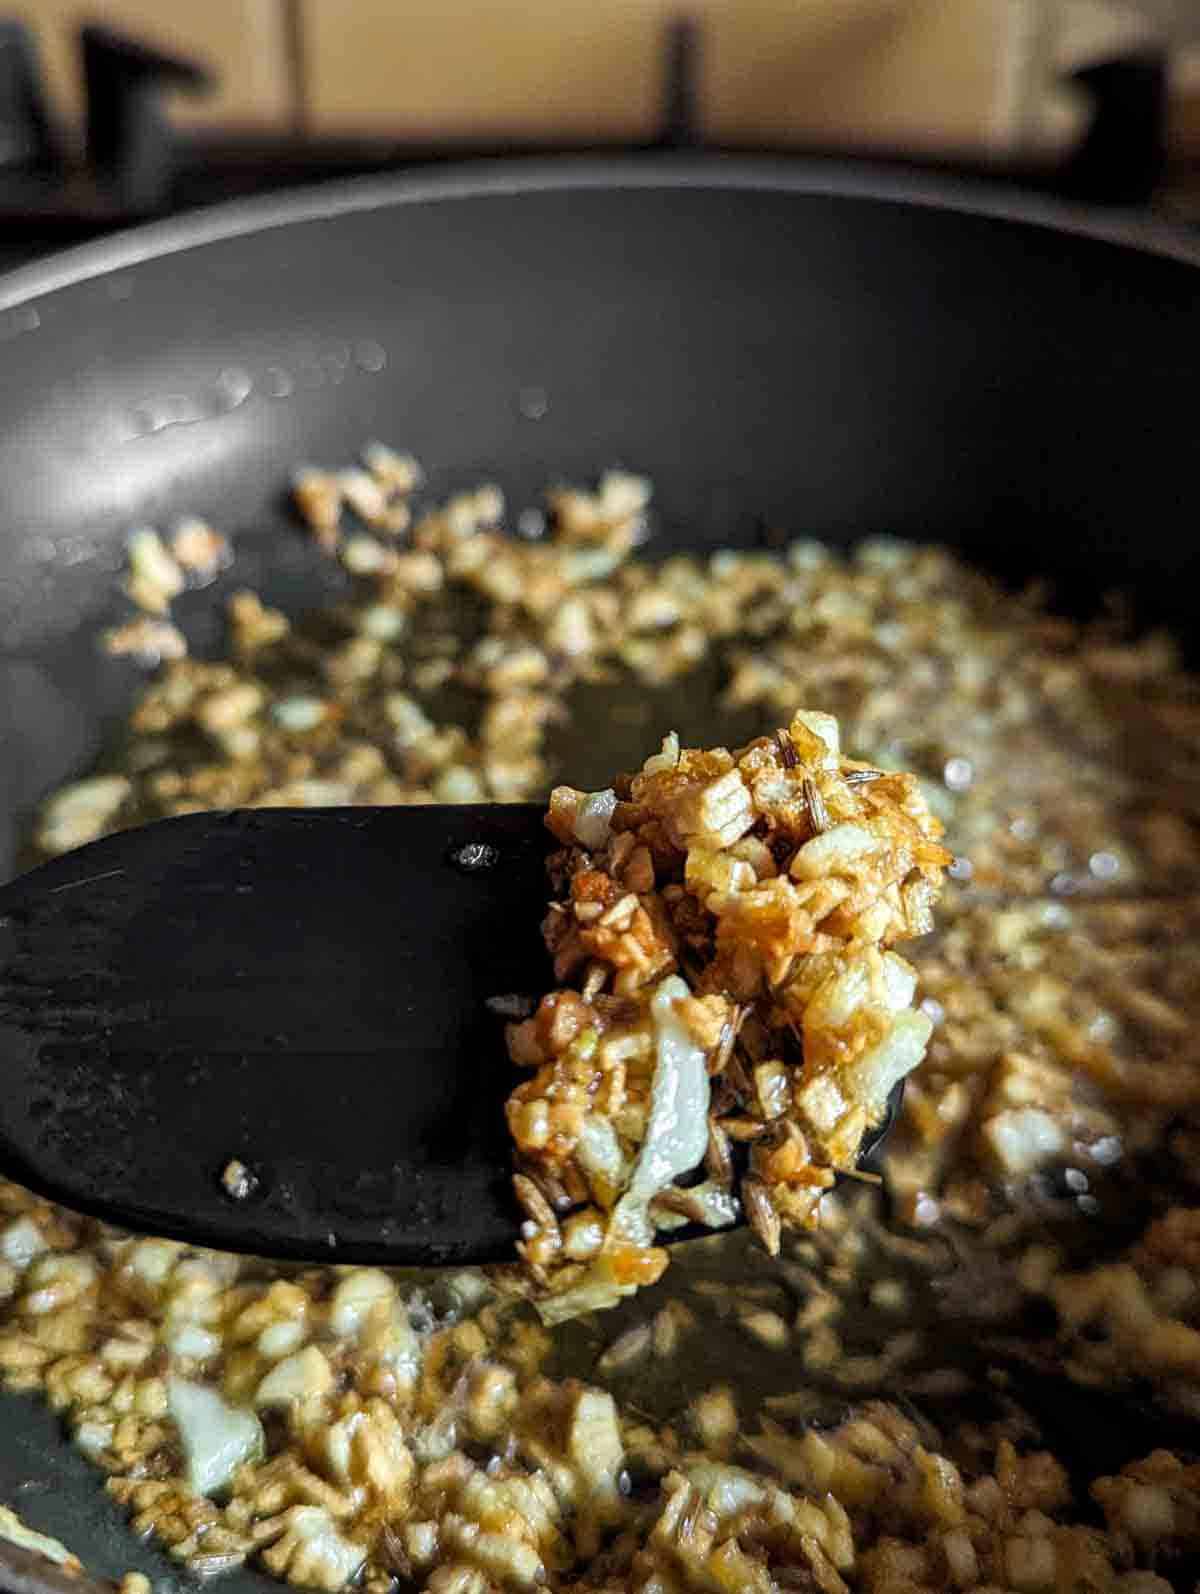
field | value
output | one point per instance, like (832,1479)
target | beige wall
(927,75)
(908,73)
(918,72)
(492,67)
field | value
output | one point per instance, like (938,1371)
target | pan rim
(518,176)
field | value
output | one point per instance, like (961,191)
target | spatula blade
(303,992)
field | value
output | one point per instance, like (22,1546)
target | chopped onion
(897,1054)
(677,1129)
(593,1294)
(667,758)
(726,1489)
(15,1531)
(593,819)
(216,1437)
(599,1154)
(1023,1139)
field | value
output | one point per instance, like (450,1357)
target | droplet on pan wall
(17,322)
(234,387)
(533,403)
(369,356)
(134,423)
(278,383)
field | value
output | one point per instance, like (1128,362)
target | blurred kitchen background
(136,107)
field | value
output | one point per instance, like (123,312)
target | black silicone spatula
(303,992)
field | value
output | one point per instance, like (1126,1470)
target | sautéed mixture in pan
(980,1372)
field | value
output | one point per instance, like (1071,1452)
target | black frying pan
(776,345)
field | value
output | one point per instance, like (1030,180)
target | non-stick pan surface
(818,349)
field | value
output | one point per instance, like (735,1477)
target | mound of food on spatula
(720,927)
